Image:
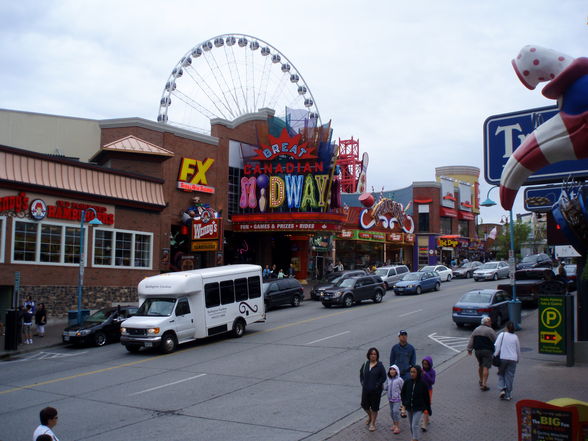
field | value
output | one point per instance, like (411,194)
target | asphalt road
(287,379)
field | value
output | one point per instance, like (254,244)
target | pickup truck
(532,282)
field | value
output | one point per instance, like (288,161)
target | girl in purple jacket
(429,379)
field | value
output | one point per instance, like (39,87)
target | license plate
(469,311)
(148,344)
(66,337)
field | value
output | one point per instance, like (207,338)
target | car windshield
(428,268)
(476,297)
(346,283)
(488,266)
(412,276)
(332,278)
(157,307)
(530,259)
(467,265)
(381,272)
(99,316)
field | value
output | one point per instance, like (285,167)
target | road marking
(456,344)
(44,356)
(326,338)
(166,385)
(410,313)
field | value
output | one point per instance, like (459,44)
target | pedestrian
(415,398)
(428,374)
(27,325)
(340,266)
(41,320)
(403,355)
(482,341)
(393,387)
(509,350)
(281,274)
(30,302)
(291,271)
(266,273)
(372,376)
(48,417)
(274,274)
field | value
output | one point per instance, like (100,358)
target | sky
(413,81)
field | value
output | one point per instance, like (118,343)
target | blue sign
(541,198)
(503,134)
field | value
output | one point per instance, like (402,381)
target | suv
(282,292)
(391,274)
(331,279)
(353,290)
(536,261)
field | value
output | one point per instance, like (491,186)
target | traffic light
(555,235)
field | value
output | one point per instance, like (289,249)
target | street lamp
(94,221)
(514,306)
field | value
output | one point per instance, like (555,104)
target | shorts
(370,400)
(484,357)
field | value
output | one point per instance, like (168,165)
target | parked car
(282,292)
(473,305)
(530,283)
(391,274)
(446,274)
(466,270)
(331,279)
(353,290)
(99,328)
(492,271)
(540,260)
(417,282)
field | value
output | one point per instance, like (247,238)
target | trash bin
(72,316)
(11,331)
(514,312)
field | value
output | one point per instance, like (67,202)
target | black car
(331,279)
(353,290)
(466,270)
(282,292)
(540,260)
(99,328)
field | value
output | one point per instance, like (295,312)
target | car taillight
(483,309)
(456,309)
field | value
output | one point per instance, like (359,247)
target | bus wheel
(239,328)
(168,343)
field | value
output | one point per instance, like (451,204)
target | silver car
(392,274)
(492,271)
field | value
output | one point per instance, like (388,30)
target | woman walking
(41,319)
(415,398)
(372,376)
(429,375)
(509,349)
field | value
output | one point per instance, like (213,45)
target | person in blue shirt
(403,355)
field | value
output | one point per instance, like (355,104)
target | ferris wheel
(229,76)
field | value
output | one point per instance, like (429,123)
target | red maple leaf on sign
(285,145)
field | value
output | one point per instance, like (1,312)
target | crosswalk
(42,355)
(456,344)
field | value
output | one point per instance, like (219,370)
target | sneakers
(508,398)
(502,394)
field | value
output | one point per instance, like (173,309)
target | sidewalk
(461,411)
(52,338)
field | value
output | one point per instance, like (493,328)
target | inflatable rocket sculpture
(563,137)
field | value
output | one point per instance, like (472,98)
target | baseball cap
(402,332)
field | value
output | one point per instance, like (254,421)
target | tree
(502,244)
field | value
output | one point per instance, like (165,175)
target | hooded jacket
(429,375)
(394,385)
(415,395)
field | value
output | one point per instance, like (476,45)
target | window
(445,225)
(122,248)
(235,175)
(423,217)
(463,228)
(183,307)
(254,287)
(211,295)
(227,292)
(45,243)
(402,269)
(241,289)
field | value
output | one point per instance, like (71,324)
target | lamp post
(514,306)
(94,221)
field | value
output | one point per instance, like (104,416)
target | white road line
(43,356)
(439,339)
(410,313)
(326,338)
(166,385)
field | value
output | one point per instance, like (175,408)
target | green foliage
(521,233)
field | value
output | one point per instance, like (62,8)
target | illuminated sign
(284,146)
(205,230)
(386,213)
(284,226)
(192,175)
(205,245)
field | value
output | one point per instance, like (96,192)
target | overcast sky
(414,81)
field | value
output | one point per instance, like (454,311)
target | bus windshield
(157,307)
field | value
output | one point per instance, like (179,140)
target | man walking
(482,341)
(403,355)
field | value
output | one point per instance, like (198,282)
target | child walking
(393,385)
(429,379)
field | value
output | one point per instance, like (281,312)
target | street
(287,379)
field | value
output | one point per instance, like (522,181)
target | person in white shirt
(48,417)
(509,349)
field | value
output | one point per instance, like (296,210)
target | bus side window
(241,289)
(211,295)
(254,287)
(227,292)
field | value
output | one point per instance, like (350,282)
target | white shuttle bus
(184,306)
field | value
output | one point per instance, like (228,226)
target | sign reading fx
(504,133)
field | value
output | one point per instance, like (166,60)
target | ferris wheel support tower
(349,163)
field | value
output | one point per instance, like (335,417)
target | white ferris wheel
(233,75)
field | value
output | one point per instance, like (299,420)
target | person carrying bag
(509,354)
